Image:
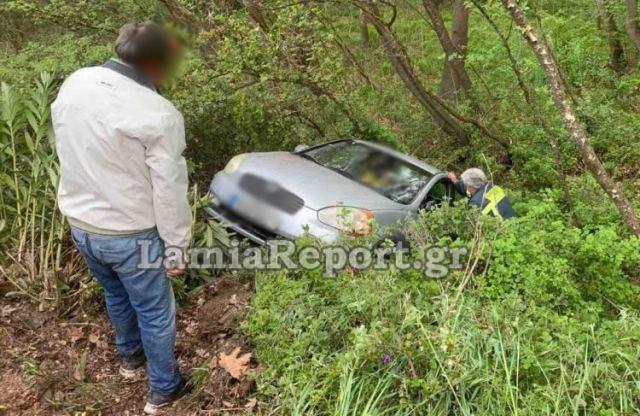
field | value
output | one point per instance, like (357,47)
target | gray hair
(144,42)
(474,177)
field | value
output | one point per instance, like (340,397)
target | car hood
(319,186)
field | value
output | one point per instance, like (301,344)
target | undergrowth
(542,321)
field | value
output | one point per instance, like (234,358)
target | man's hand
(176,268)
(453,177)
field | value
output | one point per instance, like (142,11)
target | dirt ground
(53,366)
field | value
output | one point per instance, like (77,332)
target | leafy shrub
(545,325)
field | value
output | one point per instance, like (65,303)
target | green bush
(545,325)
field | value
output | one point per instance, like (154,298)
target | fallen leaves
(98,341)
(251,404)
(47,359)
(202,353)
(7,310)
(235,364)
(75,334)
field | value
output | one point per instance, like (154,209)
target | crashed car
(340,187)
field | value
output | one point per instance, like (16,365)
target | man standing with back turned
(124,183)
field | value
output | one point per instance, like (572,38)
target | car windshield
(394,178)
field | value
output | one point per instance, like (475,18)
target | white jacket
(120,147)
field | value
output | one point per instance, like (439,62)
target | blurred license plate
(256,211)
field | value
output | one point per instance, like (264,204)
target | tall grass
(36,256)
(483,359)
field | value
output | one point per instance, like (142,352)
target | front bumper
(229,220)
(258,220)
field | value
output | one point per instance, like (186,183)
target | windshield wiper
(341,172)
(309,157)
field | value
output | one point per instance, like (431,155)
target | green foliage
(33,240)
(546,326)
(562,267)
(374,132)
(543,320)
(37,20)
(62,56)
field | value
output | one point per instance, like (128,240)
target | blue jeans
(140,302)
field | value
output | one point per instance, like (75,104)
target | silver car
(338,187)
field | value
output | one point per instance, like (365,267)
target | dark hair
(144,42)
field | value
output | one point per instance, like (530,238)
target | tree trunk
(633,32)
(455,79)
(529,98)
(576,130)
(364,30)
(607,22)
(254,10)
(454,75)
(226,5)
(632,23)
(400,61)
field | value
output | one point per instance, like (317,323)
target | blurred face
(159,72)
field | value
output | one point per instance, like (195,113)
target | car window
(394,178)
(440,192)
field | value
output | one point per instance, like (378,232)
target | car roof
(399,155)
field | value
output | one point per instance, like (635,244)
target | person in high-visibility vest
(487,197)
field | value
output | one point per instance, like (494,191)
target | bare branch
(182,15)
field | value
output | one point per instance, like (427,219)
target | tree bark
(455,80)
(529,98)
(400,61)
(254,10)
(183,15)
(563,103)
(607,22)
(632,23)
(226,5)
(364,30)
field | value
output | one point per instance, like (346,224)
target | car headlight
(355,221)
(234,163)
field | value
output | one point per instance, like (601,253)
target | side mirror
(301,147)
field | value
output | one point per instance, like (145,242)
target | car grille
(229,218)
(271,193)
